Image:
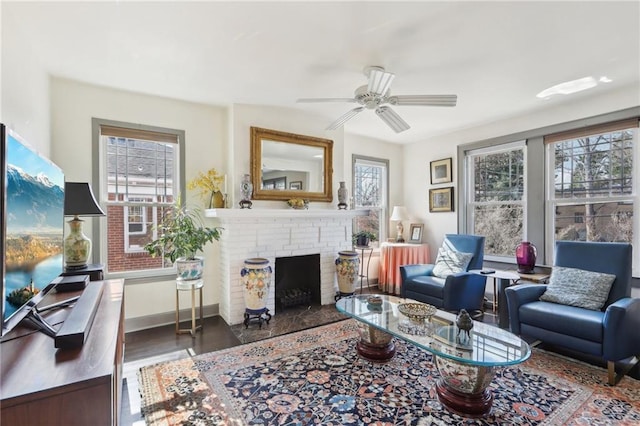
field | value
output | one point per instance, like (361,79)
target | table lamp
(399,214)
(78,201)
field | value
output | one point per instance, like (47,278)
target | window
(139,178)
(591,187)
(578,184)
(495,205)
(370,188)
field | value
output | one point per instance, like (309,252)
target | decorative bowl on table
(417,312)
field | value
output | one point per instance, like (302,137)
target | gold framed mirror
(287,165)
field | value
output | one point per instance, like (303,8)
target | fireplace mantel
(274,233)
(267,213)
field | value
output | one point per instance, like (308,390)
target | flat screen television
(32,229)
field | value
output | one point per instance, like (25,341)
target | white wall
(24,104)
(417,156)
(74,104)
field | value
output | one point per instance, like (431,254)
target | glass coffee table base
(464,388)
(375,345)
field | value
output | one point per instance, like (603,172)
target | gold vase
(216,201)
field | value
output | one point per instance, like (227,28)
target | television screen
(33,223)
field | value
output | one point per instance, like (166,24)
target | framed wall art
(441,171)
(415,233)
(296,184)
(441,199)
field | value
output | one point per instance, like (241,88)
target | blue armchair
(610,333)
(461,290)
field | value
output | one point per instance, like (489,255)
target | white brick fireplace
(272,233)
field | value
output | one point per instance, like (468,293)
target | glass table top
(486,345)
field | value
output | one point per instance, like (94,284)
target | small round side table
(364,273)
(189,285)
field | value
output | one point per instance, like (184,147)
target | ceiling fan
(376,94)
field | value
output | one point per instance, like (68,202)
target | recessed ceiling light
(569,87)
(605,79)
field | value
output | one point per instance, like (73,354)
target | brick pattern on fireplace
(270,235)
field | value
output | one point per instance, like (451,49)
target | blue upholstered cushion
(450,262)
(577,287)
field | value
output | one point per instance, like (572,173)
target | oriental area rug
(315,377)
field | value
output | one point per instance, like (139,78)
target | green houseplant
(181,235)
(362,238)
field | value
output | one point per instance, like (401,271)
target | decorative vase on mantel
(246,190)
(343,196)
(216,201)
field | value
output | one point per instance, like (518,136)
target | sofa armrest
(518,296)
(621,324)
(410,271)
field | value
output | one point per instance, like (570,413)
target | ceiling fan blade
(379,81)
(424,100)
(392,119)
(344,118)
(311,100)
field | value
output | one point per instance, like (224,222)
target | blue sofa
(461,290)
(611,333)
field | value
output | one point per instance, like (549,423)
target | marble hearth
(273,233)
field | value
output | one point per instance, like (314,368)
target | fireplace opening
(297,281)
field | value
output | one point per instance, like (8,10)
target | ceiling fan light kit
(377,93)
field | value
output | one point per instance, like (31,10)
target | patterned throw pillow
(576,287)
(451,262)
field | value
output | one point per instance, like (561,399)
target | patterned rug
(315,377)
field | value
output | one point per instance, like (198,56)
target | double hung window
(139,178)
(370,189)
(496,197)
(591,191)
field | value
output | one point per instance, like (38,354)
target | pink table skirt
(394,255)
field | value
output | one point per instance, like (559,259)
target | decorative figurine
(464,323)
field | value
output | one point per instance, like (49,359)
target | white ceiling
(496,56)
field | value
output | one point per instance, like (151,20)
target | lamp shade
(399,213)
(79,200)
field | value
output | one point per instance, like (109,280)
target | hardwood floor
(215,335)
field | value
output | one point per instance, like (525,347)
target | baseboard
(164,318)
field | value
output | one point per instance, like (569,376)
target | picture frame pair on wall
(441,199)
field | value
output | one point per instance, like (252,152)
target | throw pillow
(450,262)
(576,287)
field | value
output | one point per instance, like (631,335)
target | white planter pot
(190,269)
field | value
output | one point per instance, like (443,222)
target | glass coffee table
(466,362)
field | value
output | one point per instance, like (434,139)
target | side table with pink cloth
(392,257)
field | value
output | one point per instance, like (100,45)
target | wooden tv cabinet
(82,386)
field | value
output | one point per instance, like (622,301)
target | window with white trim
(590,175)
(139,178)
(370,189)
(496,197)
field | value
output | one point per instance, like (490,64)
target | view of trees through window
(370,183)
(593,180)
(497,199)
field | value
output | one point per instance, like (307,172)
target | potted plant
(362,238)
(181,236)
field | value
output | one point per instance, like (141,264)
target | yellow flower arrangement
(208,184)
